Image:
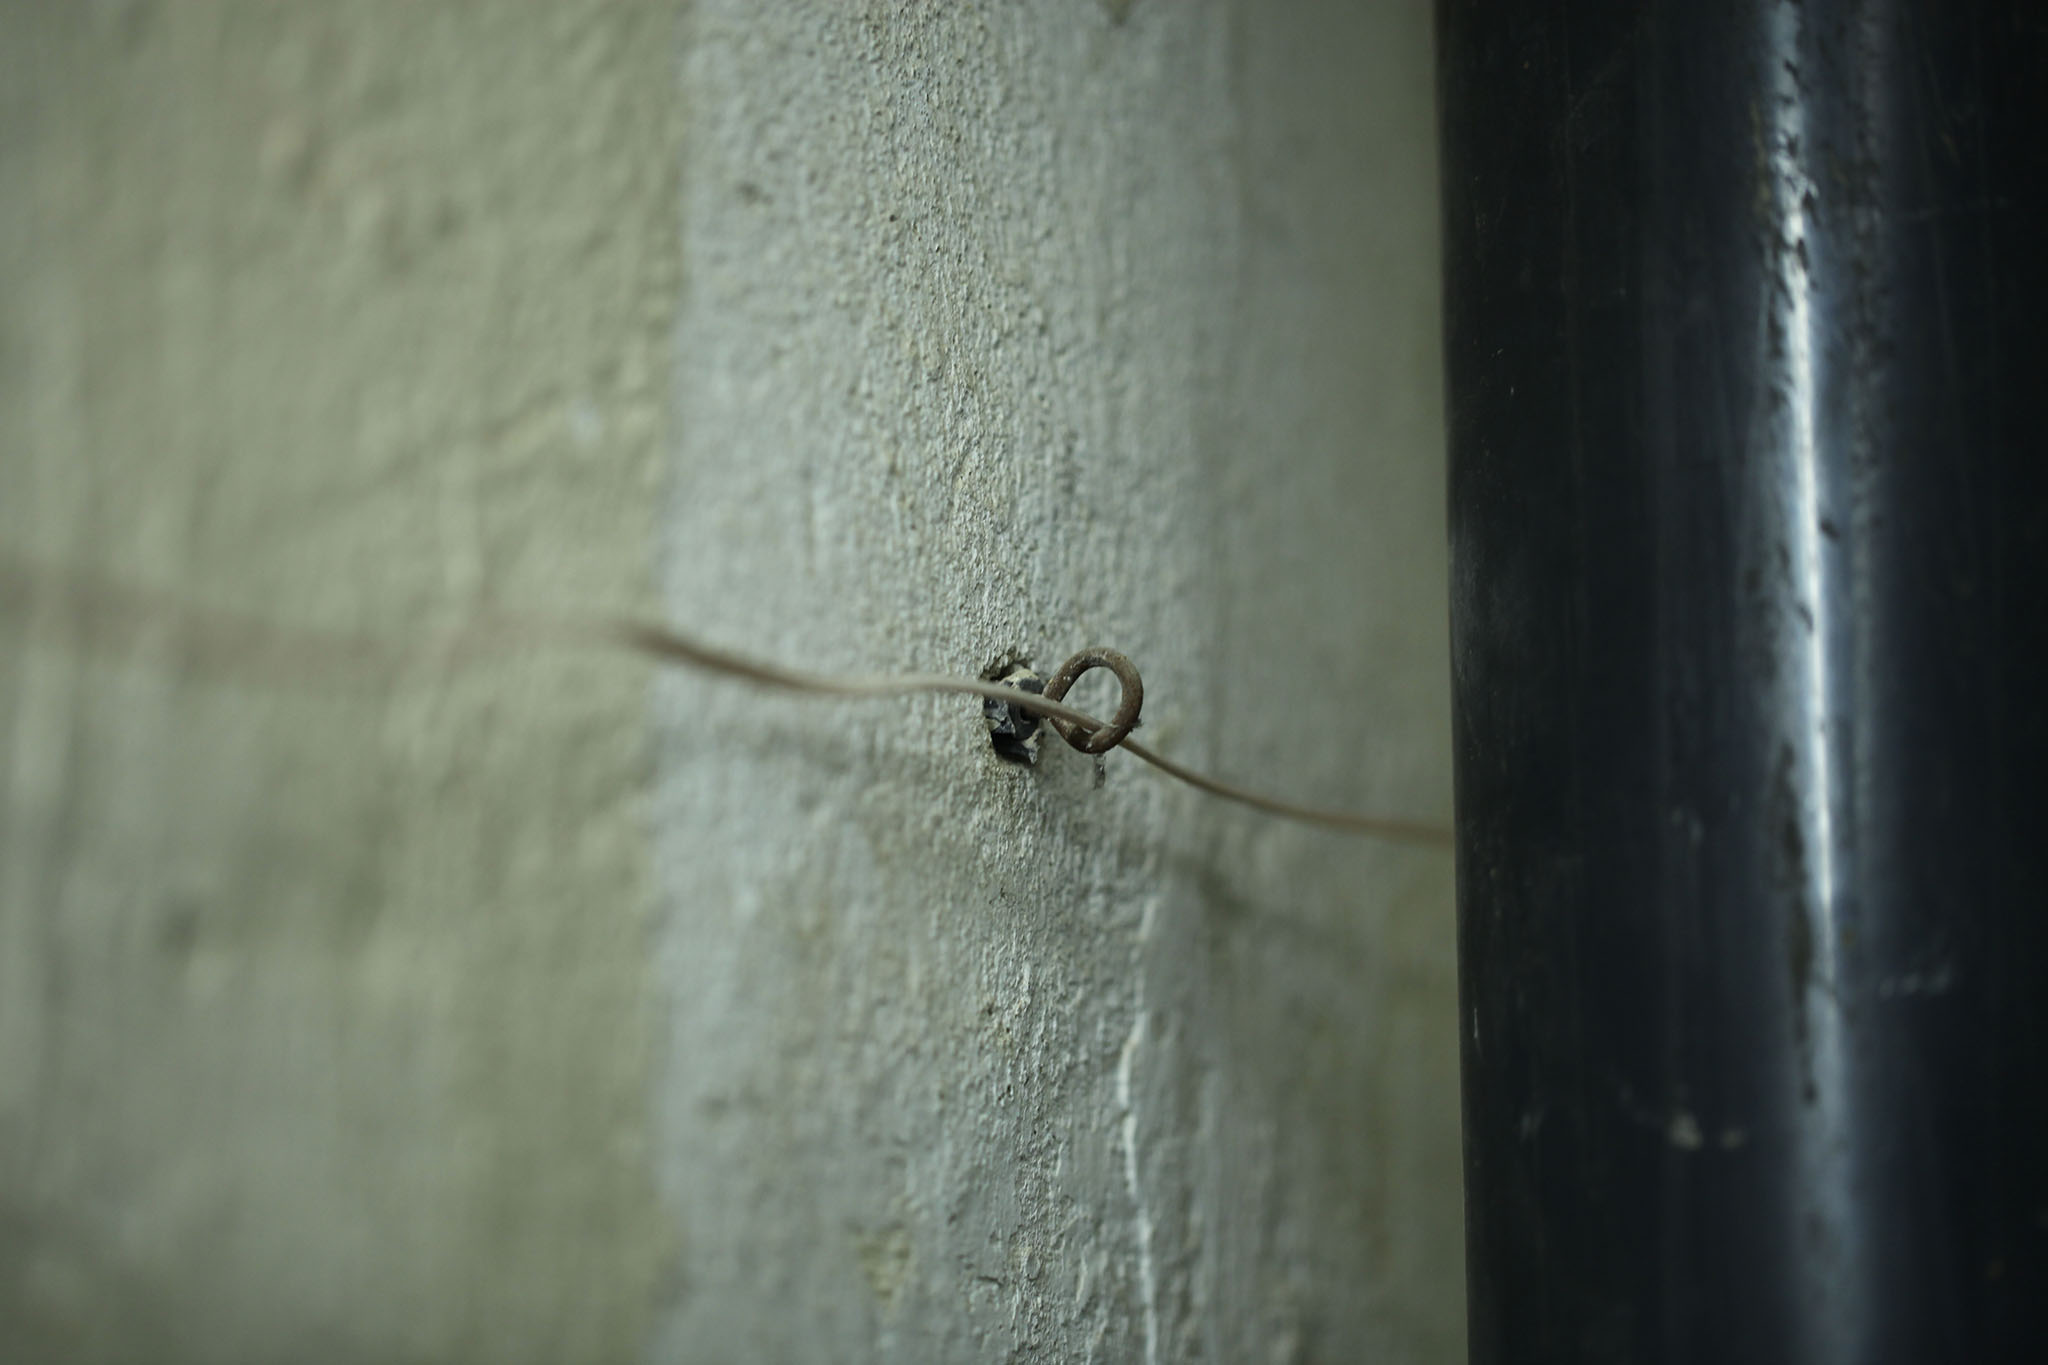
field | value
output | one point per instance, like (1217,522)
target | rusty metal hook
(1085,738)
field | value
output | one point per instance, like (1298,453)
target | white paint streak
(1141,1215)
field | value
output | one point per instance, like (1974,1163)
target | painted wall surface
(325,1024)
(543,1011)
(1036,327)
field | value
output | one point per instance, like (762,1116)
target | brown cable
(1080,730)
(302,655)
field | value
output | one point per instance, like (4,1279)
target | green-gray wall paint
(552,1010)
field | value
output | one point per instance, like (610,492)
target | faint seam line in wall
(41,777)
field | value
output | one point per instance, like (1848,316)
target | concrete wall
(546,1011)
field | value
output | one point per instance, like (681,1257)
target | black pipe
(1746,334)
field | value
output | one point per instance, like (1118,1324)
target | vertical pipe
(1744,329)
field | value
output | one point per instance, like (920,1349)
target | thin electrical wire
(666,643)
(265,649)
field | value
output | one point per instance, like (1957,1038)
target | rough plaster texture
(1036,326)
(324,1021)
(392,1019)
